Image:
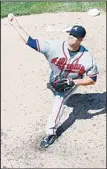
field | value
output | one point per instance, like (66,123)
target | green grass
(27,8)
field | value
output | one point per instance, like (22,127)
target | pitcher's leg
(54,118)
(57,111)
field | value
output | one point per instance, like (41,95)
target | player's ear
(81,39)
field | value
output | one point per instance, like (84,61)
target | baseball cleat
(48,140)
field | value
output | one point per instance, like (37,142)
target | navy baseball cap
(77,31)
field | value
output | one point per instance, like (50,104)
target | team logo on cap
(75,28)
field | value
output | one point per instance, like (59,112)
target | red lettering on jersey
(54,60)
(71,68)
(76,68)
(82,70)
(60,62)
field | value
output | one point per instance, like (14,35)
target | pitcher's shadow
(81,104)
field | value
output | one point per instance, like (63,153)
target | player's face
(73,41)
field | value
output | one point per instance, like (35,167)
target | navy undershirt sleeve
(32,43)
(94,78)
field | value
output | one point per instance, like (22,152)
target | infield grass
(27,8)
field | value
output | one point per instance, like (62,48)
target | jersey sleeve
(93,70)
(43,46)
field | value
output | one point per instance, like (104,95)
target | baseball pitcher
(71,65)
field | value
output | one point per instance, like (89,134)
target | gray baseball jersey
(59,58)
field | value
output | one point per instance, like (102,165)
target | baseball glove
(61,84)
